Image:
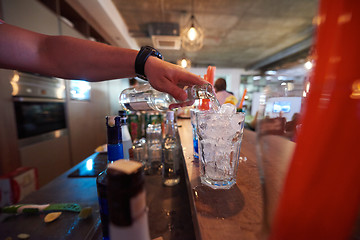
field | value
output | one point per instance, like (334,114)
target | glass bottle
(115,152)
(127,201)
(171,153)
(146,98)
(154,148)
(126,138)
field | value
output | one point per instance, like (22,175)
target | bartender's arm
(73,58)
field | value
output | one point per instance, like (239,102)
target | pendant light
(192,37)
(184,63)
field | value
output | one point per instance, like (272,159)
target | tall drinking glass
(220,138)
(277,124)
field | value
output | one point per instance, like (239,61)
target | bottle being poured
(146,98)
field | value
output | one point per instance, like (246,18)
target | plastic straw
(242,99)
(210,74)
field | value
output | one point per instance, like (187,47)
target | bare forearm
(62,56)
(80,59)
(72,58)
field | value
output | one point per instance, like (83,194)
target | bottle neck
(201,91)
(114,135)
(170,130)
(113,131)
(114,145)
(114,139)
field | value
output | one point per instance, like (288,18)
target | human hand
(182,104)
(170,78)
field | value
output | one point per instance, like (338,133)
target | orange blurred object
(243,98)
(210,74)
(321,196)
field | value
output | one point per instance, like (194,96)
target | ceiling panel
(237,33)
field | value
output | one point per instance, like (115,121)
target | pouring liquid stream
(215,105)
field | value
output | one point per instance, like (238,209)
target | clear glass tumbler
(220,138)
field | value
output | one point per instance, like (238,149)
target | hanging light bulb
(192,37)
(184,63)
(192,33)
(308,65)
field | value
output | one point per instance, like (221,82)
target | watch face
(157,54)
(154,52)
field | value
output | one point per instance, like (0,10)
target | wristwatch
(144,53)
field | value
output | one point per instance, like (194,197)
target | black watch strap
(144,53)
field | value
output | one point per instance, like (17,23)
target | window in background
(80,90)
(281,107)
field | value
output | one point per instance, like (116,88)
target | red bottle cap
(204,104)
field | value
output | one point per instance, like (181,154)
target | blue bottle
(115,152)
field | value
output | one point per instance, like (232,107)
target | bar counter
(187,211)
(169,207)
(224,214)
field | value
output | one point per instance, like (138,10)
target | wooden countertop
(61,190)
(169,209)
(225,214)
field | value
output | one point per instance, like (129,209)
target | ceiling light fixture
(270,72)
(184,63)
(308,65)
(192,37)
